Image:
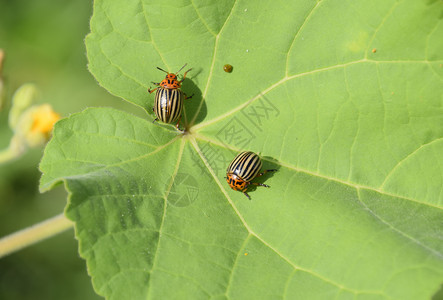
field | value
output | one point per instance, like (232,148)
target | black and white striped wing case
(246,165)
(168,105)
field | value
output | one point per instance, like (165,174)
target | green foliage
(343,97)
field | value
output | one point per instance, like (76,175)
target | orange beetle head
(171,76)
(171,81)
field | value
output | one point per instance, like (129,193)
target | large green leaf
(344,98)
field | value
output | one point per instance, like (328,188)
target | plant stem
(7,155)
(36,233)
(15,149)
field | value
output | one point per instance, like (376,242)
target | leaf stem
(33,234)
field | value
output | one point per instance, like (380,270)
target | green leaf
(342,97)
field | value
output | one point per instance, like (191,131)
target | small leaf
(355,209)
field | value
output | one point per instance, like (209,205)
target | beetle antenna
(162,70)
(180,69)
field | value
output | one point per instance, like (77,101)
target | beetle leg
(156,119)
(246,194)
(184,75)
(178,123)
(266,171)
(188,97)
(150,91)
(260,184)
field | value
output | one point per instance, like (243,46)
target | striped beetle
(243,168)
(168,105)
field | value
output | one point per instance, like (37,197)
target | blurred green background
(44,44)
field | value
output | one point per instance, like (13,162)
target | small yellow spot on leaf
(359,42)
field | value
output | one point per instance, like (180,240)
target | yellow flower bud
(44,119)
(35,125)
(32,125)
(22,99)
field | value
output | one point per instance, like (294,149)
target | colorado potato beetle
(168,105)
(243,168)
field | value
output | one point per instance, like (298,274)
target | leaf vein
(379,26)
(231,275)
(438,254)
(165,204)
(400,162)
(212,66)
(201,18)
(298,32)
